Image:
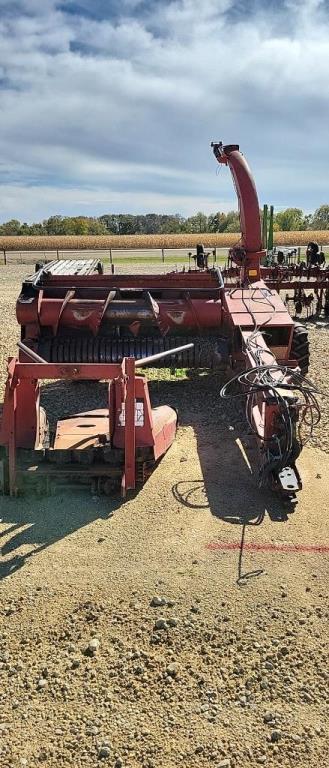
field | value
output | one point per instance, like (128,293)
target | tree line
(162,224)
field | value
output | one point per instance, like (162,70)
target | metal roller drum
(111,350)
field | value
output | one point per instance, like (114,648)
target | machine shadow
(227,453)
(35,523)
(228,486)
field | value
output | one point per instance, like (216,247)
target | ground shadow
(33,523)
(227,453)
(228,457)
(227,484)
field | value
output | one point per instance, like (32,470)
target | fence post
(163,254)
(111,262)
(4,257)
(57,254)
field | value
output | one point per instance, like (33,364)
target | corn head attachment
(119,443)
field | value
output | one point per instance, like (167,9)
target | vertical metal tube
(270,230)
(130,435)
(264,227)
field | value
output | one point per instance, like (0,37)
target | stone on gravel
(157,601)
(104,751)
(161,624)
(172,669)
(276,735)
(93,645)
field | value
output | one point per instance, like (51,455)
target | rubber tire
(300,348)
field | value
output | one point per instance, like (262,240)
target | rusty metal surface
(245,304)
(85,430)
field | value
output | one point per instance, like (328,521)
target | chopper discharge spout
(247,254)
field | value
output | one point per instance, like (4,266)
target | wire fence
(114,256)
(181,256)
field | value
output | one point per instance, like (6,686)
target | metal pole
(111,256)
(4,257)
(163,254)
(270,230)
(29,352)
(264,227)
(57,254)
(160,355)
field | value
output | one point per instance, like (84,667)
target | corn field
(145,242)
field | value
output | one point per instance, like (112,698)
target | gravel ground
(187,626)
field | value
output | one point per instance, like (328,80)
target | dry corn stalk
(145,242)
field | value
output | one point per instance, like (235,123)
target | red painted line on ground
(268,547)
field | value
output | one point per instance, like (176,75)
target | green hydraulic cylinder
(270,230)
(264,227)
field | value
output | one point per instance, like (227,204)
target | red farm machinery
(80,324)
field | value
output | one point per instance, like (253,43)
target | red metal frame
(20,424)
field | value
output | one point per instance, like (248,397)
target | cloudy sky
(110,105)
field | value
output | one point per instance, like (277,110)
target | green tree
(54,225)
(217,222)
(232,222)
(290,219)
(320,218)
(197,223)
(111,223)
(36,229)
(171,225)
(96,227)
(11,227)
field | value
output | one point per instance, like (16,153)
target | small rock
(42,683)
(157,601)
(93,645)
(172,621)
(275,736)
(268,717)
(226,763)
(104,751)
(161,624)
(172,669)
(261,760)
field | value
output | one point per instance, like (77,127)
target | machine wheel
(300,349)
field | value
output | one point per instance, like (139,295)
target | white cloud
(125,108)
